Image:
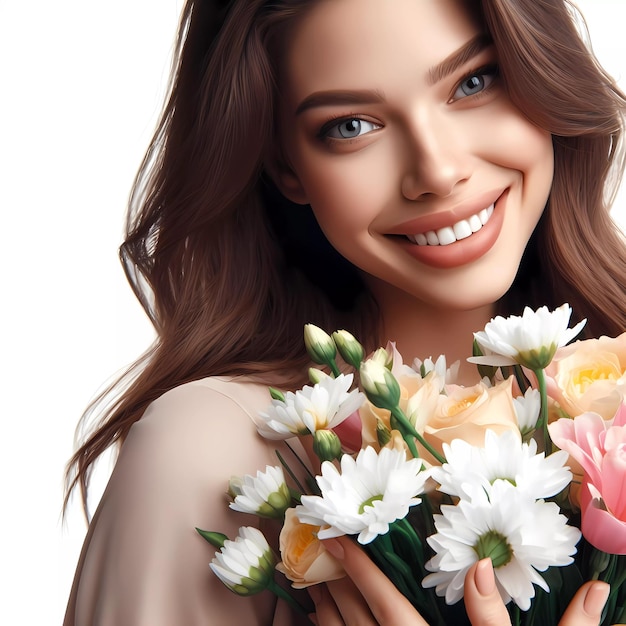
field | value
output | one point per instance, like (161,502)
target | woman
(455,154)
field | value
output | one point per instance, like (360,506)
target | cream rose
(304,560)
(467,412)
(589,376)
(418,398)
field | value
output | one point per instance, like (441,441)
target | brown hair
(207,251)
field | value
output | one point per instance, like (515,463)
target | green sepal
(277,394)
(215,539)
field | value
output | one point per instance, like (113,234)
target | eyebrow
(373,96)
(457,59)
(326,98)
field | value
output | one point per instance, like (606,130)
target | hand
(485,607)
(368,598)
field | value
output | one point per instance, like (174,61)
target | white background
(81,85)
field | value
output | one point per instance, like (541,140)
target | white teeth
(475,223)
(431,237)
(446,236)
(449,234)
(462,229)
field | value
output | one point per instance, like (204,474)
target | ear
(285,178)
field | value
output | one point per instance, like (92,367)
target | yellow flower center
(584,378)
(303,536)
(454,408)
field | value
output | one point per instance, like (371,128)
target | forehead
(341,44)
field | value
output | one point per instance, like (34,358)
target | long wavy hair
(221,264)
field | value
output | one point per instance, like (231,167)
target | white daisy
(447,375)
(471,470)
(246,564)
(530,340)
(369,493)
(323,406)
(265,494)
(521,536)
(527,409)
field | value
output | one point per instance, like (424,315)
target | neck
(423,330)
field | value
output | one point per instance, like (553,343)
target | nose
(438,158)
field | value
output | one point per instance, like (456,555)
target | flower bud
(319,345)
(351,350)
(383,357)
(316,376)
(326,445)
(380,385)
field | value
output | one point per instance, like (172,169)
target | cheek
(522,145)
(347,193)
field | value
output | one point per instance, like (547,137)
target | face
(396,128)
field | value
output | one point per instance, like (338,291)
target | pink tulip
(614,481)
(599,527)
(600,448)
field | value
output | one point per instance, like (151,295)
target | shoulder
(200,429)
(143,560)
(205,400)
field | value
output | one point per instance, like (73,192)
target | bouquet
(527,468)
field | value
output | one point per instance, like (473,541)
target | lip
(441,219)
(465,250)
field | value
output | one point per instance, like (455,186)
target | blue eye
(348,128)
(474,83)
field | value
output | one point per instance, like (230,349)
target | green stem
(407,427)
(522,381)
(333,368)
(275,588)
(543,418)
(409,440)
(290,472)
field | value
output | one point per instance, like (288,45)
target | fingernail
(596,598)
(484,578)
(333,547)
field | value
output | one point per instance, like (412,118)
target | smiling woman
(405,170)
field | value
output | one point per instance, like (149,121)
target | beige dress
(143,562)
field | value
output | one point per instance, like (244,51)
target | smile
(450,234)
(473,236)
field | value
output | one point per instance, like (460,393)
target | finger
(586,606)
(483,602)
(326,612)
(388,606)
(351,603)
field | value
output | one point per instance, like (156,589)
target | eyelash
(490,70)
(337,120)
